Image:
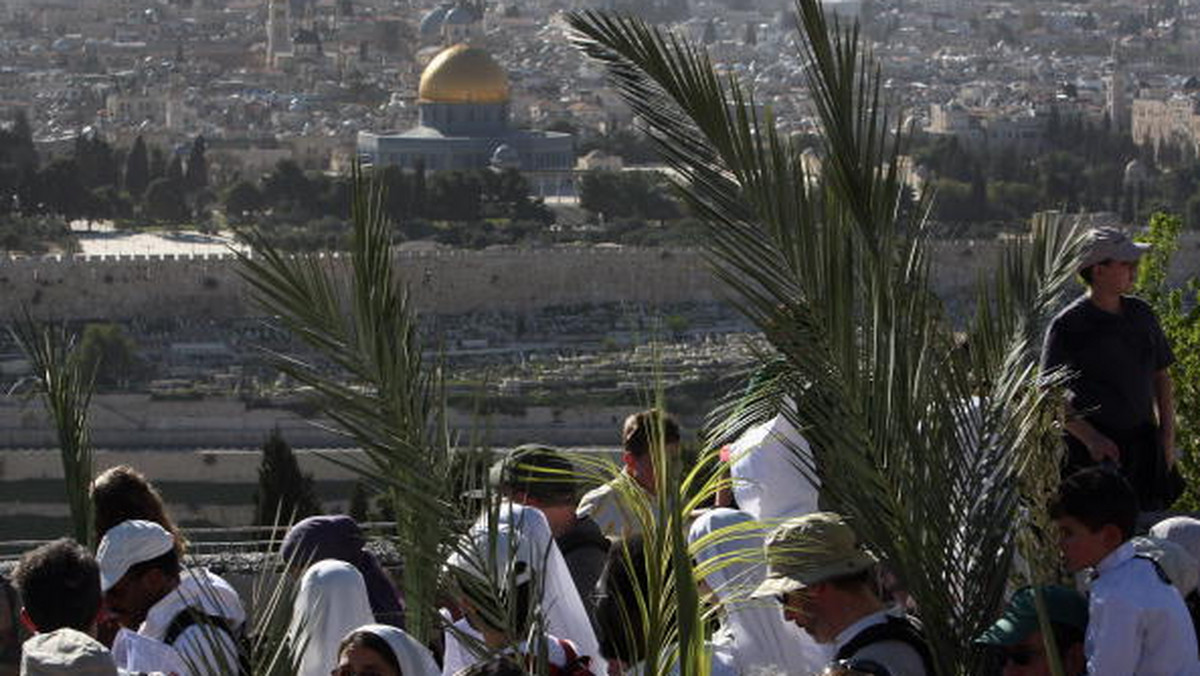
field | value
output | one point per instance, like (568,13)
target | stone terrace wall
(446,282)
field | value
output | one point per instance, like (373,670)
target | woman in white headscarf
(510,546)
(767,480)
(383,649)
(753,633)
(331,601)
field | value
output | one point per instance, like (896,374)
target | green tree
(931,450)
(164,201)
(96,162)
(196,177)
(1178,309)
(242,200)
(109,353)
(285,494)
(137,170)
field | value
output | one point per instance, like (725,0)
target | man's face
(134,594)
(1081,546)
(1028,658)
(1114,276)
(642,469)
(803,609)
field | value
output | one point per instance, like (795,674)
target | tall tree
(197,166)
(285,494)
(137,169)
(109,353)
(164,201)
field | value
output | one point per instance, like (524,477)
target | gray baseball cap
(1109,244)
(810,549)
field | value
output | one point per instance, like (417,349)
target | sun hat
(1064,606)
(128,544)
(1105,244)
(810,549)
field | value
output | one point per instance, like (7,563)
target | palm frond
(356,314)
(920,443)
(65,384)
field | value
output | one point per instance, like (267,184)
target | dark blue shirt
(1115,357)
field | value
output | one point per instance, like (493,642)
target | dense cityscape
(301,292)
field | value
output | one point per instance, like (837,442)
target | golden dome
(463,74)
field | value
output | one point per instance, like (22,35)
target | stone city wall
(443,282)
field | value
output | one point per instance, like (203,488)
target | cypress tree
(137,169)
(285,495)
(197,166)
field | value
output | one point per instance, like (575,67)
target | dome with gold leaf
(463,74)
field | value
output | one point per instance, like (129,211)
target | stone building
(463,106)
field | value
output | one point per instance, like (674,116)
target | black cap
(541,472)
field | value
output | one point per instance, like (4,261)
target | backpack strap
(1162,574)
(190,617)
(905,630)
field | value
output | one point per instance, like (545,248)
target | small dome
(431,24)
(461,15)
(463,74)
(506,157)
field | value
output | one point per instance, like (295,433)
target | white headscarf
(331,601)
(414,659)
(523,534)
(1182,530)
(753,631)
(767,480)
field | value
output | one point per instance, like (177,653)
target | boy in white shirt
(1138,622)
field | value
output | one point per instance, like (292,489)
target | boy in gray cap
(1121,403)
(59,584)
(823,578)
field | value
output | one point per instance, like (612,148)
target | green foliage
(137,169)
(64,384)
(35,234)
(242,201)
(371,378)
(285,494)
(627,194)
(165,201)
(110,354)
(923,445)
(1178,310)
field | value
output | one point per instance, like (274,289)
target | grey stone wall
(446,282)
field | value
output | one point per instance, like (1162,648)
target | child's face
(1081,546)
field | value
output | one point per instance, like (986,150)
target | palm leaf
(920,443)
(65,384)
(355,314)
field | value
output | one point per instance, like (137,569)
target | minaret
(1117,106)
(279,30)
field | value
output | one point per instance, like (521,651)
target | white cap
(128,544)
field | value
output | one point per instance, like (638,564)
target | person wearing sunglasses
(1016,636)
(822,576)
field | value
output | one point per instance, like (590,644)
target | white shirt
(898,657)
(1137,623)
(200,589)
(603,506)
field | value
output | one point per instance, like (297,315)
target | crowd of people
(549,577)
